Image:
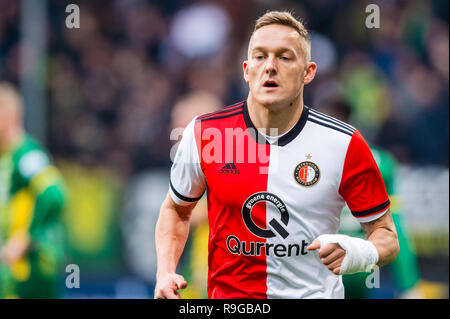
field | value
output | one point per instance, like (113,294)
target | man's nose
(270,66)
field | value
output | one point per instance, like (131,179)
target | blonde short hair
(287,19)
(10,97)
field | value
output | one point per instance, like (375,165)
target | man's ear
(310,72)
(245,70)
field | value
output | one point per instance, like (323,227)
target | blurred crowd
(115,83)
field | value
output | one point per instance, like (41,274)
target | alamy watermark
(373,19)
(73,277)
(73,18)
(235,145)
(373,279)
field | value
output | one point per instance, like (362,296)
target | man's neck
(280,118)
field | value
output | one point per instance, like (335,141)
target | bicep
(187,180)
(361,185)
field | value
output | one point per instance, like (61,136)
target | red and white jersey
(268,202)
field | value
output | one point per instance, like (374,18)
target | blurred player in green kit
(32,198)
(404,269)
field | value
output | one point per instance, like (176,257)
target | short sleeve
(362,186)
(187,181)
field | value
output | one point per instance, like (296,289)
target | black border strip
(330,119)
(186,199)
(320,118)
(329,126)
(220,117)
(371,211)
(224,110)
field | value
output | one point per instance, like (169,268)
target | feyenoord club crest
(307,173)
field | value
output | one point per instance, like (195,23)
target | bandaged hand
(343,254)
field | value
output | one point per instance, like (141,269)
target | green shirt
(32,198)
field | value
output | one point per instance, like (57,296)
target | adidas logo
(229,168)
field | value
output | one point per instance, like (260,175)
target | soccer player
(277,174)
(31,201)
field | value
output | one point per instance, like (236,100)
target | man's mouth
(270,84)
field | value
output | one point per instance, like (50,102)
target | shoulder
(28,144)
(30,157)
(333,135)
(222,114)
(329,124)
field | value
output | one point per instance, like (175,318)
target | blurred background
(103,98)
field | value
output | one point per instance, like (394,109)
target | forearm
(343,254)
(384,238)
(404,268)
(172,230)
(386,243)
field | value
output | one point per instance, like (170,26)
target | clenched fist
(167,286)
(332,255)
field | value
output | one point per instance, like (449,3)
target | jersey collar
(285,139)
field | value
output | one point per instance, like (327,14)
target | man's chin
(270,102)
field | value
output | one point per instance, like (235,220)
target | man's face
(276,67)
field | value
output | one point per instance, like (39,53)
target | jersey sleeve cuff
(373,213)
(180,199)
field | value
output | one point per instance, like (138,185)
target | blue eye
(285,58)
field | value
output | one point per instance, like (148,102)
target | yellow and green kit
(32,199)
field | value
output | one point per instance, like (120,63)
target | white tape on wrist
(360,255)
